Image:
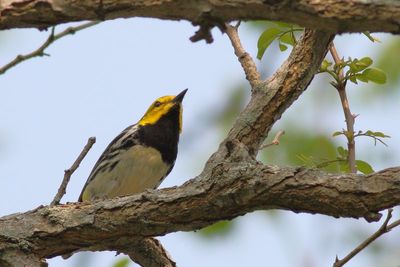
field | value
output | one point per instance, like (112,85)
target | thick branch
(11,258)
(145,251)
(331,15)
(148,252)
(231,190)
(281,90)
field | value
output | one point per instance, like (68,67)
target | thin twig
(349,117)
(71,170)
(248,65)
(381,231)
(374,137)
(275,141)
(39,52)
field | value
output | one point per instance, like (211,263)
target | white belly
(138,169)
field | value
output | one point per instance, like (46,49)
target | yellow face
(159,108)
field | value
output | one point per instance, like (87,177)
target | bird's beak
(180,96)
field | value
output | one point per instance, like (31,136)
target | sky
(102,79)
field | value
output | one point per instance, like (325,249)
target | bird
(141,156)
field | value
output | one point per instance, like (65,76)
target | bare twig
(275,141)
(39,52)
(70,171)
(341,88)
(381,231)
(373,137)
(248,65)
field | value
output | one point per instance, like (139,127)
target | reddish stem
(341,88)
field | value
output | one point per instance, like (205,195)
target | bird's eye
(157,104)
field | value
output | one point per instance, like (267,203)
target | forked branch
(385,228)
(40,51)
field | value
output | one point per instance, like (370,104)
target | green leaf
(357,65)
(369,132)
(365,62)
(364,167)
(344,166)
(287,38)
(342,152)
(380,134)
(371,38)
(124,262)
(376,134)
(308,161)
(353,79)
(361,77)
(218,228)
(337,133)
(283,24)
(325,65)
(265,40)
(375,75)
(282,47)
(362,64)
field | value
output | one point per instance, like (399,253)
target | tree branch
(12,257)
(331,15)
(67,173)
(228,191)
(146,252)
(232,183)
(39,52)
(385,228)
(248,65)
(349,117)
(274,141)
(276,94)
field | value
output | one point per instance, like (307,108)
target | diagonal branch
(276,94)
(67,173)
(248,65)
(39,52)
(385,228)
(330,15)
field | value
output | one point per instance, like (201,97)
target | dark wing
(125,140)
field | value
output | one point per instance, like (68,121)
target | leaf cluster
(282,32)
(354,70)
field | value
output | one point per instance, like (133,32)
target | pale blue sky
(102,79)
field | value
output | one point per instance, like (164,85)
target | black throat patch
(163,135)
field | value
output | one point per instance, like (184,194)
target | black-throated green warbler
(141,156)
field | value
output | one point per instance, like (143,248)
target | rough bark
(272,97)
(232,183)
(145,251)
(230,190)
(332,15)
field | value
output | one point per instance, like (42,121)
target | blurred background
(102,79)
